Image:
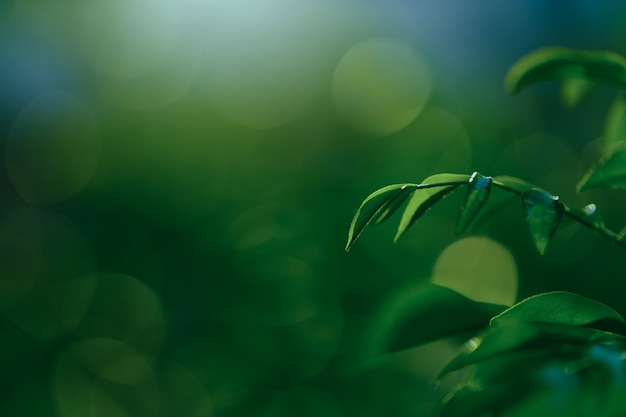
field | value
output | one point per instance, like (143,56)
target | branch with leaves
(556,353)
(542,210)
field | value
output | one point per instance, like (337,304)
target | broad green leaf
(477,194)
(516,335)
(610,171)
(372,207)
(543,213)
(557,307)
(552,63)
(574,90)
(433,189)
(512,184)
(615,124)
(491,343)
(425,314)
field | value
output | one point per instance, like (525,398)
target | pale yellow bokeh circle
(479,268)
(380,86)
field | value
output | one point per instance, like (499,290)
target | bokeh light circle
(380,85)
(263,68)
(53,149)
(45,262)
(479,268)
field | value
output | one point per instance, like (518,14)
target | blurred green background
(178,177)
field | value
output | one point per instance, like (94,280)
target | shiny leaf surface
(560,307)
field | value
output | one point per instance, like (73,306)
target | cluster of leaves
(555,353)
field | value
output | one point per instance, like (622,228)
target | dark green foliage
(436,312)
(556,353)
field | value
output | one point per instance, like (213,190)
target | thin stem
(572,213)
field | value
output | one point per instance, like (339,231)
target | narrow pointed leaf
(543,213)
(603,67)
(477,194)
(615,125)
(393,204)
(423,315)
(574,90)
(610,171)
(371,207)
(428,193)
(557,307)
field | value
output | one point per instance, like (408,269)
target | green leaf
(477,194)
(393,204)
(374,207)
(516,335)
(422,315)
(557,307)
(433,189)
(615,124)
(543,213)
(610,171)
(475,401)
(513,184)
(552,63)
(574,90)
(493,342)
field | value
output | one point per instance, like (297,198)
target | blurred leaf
(429,192)
(512,184)
(426,315)
(374,207)
(552,63)
(574,90)
(492,342)
(543,213)
(474,401)
(610,171)
(557,307)
(478,191)
(615,124)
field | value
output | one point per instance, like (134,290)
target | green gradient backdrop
(179,176)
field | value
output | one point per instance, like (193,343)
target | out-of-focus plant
(554,353)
